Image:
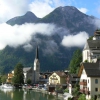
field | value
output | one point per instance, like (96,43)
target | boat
(67,95)
(7,86)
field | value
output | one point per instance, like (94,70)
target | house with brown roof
(89,74)
(57,78)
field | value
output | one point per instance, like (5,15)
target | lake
(19,94)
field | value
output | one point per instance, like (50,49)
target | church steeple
(37,53)
(36,61)
(36,69)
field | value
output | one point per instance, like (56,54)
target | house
(91,49)
(44,77)
(27,73)
(72,79)
(89,74)
(57,77)
(10,76)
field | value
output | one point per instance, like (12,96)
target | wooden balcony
(84,83)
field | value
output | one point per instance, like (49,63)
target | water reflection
(19,94)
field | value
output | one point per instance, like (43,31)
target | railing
(83,83)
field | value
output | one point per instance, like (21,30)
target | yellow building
(57,77)
(10,76)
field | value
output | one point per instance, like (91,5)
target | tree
(18,74)
(75,61)
(82,97)
(29,81)
(3,78)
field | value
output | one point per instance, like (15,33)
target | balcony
(83,83)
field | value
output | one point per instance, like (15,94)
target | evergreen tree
(75,61)
(18,74)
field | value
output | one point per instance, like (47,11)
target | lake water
(19,94)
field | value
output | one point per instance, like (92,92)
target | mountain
(29,17)
(52,55)
(70,18)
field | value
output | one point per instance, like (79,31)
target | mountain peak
(29,13)
(69,9)
(29,17)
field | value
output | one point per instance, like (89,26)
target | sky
(12,8)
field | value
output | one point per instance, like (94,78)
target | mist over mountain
(58,35)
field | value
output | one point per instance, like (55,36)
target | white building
(91,50)
(89,74)
(89,71)
(33,73)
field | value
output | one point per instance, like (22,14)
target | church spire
(37,53)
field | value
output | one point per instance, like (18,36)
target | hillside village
(86,81)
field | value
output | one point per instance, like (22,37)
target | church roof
(26,69)
(93,44)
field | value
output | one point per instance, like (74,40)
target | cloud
(12,8)
(50,48)
(96,22)
(28,47)
(40,9)
(43,7)
(77,40)
(17,35)
(83,10)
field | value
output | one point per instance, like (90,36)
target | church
(33,73)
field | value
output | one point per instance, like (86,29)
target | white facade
(92,85)
(91,53)
(36,70)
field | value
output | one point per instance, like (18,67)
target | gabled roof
(60,73)
(97,32)
(93,44)
(26,69)
(86,47)
(92,69)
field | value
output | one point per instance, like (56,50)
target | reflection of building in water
(8,92)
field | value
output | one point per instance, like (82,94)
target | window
(96,89)
(96,81)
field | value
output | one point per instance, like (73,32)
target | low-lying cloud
(77,40)
(96,22)
(17,35)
